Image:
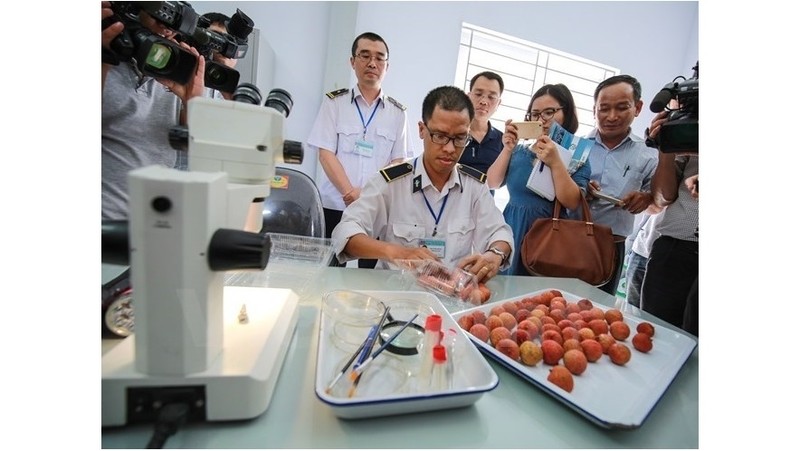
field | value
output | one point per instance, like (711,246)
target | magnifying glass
(405,343)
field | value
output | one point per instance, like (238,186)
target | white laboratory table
(516,414)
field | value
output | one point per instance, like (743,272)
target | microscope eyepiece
(247,93)
(280,100)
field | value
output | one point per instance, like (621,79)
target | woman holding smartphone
(550,103)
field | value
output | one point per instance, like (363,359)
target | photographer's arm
(664,185)
(107,35)
(194,87)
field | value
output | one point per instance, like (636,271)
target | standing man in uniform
(485,90)
(622,165)
(358,131)
(430,207)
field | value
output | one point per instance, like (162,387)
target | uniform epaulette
(396,103)
(337,93)
(472,172)
(397,171)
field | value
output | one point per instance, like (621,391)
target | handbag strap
(587,215)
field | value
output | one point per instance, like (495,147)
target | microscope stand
(238,385)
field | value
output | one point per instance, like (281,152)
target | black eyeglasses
(442,139)
(366,58)
(546,114)
(492,98)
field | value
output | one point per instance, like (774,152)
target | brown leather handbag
(555,247)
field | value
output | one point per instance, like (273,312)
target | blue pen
(627,167)
(359,368)
(372,337)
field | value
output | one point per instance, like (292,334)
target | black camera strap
(109,57)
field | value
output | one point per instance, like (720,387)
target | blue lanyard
(370,117)
(430,209)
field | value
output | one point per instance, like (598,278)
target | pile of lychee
(545,327)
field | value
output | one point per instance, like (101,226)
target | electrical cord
(170,418)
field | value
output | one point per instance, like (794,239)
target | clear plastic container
(294,262)
(451,284)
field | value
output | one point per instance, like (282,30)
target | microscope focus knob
(231,249)
(161,204)
(292,152)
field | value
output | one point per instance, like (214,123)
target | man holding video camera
(670,286)
(138,112)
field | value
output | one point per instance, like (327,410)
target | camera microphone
(661,100)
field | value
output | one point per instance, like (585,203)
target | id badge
(435,246)
(364,148)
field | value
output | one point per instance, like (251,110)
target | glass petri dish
(385,376)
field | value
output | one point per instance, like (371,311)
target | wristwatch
(497,251)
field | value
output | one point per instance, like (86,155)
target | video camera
(160,57)
(232,44)
(680,132)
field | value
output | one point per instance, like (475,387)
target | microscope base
(237,385)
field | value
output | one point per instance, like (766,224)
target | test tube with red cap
(433,327)
(439,372)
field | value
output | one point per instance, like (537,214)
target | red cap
(433,323)
(439,354)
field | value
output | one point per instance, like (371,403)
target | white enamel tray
(607,394)
(388,385)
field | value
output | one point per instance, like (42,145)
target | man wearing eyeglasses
(431,207)
(357,131)
(485,89)
(622,165)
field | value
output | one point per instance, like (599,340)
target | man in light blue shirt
(622,165)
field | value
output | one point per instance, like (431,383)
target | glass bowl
(353,314)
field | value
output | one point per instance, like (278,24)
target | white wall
(297,33)
(653,41)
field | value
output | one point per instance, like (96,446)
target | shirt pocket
(460,235)
(347,135)
(384,140)
(632,181)
(407,234)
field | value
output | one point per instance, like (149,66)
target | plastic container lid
(439,354)
(433,323)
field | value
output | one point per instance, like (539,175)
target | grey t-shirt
(136,120)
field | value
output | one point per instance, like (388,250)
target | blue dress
(524,206)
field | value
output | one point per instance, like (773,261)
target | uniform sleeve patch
(472,172)
(397,171)
(395,103)
(337,93)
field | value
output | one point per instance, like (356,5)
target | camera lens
(216,76)
(247,93)
(280,100)
(240,25)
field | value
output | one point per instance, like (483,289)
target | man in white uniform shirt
(357,131)
(430,207)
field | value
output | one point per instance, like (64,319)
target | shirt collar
(356,92)
(595,135)
(452,182)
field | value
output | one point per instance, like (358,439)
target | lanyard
(377,104)
(436,217)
